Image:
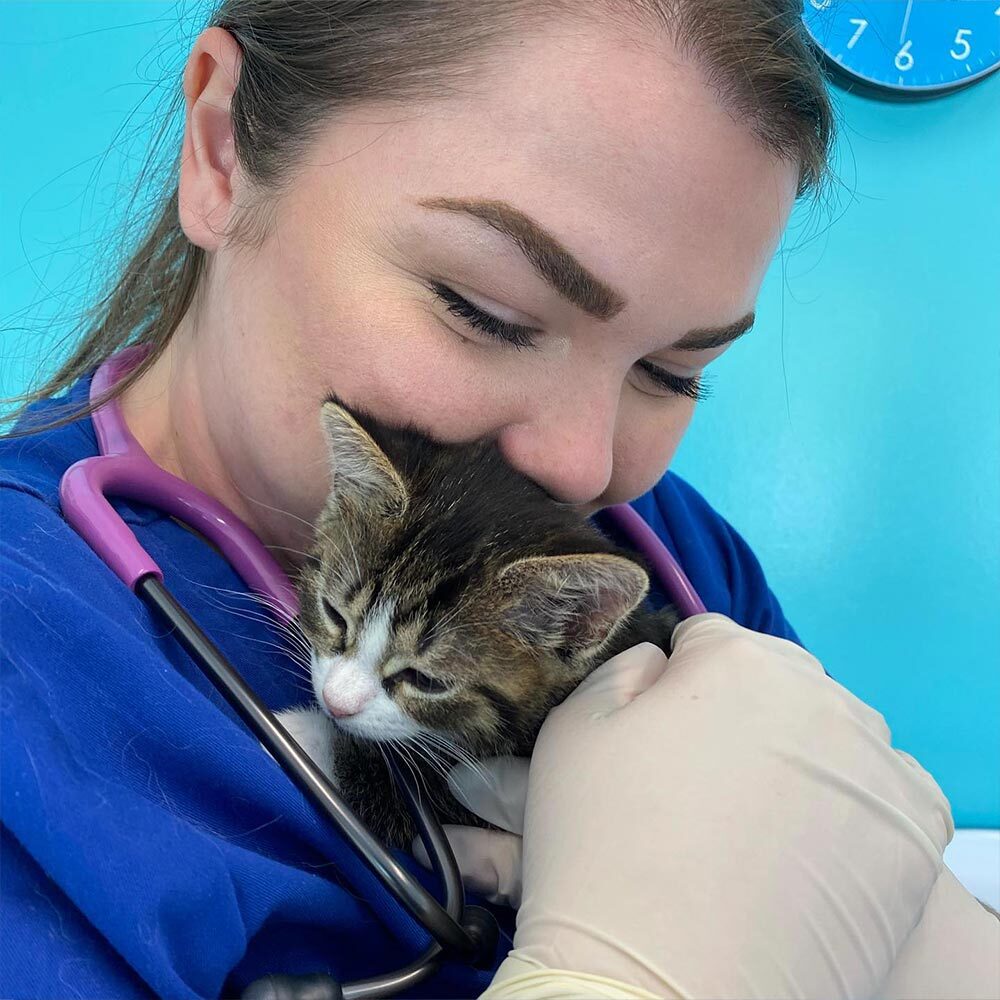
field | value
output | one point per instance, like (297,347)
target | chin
(374,726)
(353,727)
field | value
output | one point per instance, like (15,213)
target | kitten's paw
(314,732)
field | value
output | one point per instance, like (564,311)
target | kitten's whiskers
(461,755)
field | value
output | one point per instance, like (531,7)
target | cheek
(406,368)
(644,448)
(459,716)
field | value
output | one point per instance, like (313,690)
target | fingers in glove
(494,789)
(489,860)
(617,682)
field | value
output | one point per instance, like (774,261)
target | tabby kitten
(449,603)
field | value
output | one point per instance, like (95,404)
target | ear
(570,603)
(363,474)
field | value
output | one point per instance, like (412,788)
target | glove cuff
(526,979)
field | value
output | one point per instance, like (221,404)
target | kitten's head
(447,593)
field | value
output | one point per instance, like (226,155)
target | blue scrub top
(149,845)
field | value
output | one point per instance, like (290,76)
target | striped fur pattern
(450,603)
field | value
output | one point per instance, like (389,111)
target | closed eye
(523,337)
(334,615)
(509,333)
(678,385)
(424,683)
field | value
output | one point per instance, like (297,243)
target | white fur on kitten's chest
(314,732)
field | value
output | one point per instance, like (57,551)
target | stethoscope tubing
(123,469)
(465,932)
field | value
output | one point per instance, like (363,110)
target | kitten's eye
(334,615)
(422,682)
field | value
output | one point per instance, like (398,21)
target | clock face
(906,48)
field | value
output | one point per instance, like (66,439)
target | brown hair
(303,62)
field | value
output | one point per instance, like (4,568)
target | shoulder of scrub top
(35,463)
(718,561)
(47,569)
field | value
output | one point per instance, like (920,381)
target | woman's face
(590,197)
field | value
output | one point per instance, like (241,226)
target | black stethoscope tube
(468,932)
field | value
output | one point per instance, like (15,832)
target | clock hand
(906,20)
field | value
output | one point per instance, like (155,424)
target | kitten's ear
(363,474)
(570,603)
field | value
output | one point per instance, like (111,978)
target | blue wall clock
(906,49)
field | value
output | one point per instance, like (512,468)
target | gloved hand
(954,951)
(729,823)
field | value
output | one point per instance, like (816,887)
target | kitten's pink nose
(343,704)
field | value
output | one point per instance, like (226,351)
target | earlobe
(208,159)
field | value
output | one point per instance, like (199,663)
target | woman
(537,222)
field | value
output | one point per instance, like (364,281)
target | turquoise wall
(853,437)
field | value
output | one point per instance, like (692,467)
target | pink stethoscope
(123,469)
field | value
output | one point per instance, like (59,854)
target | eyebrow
(567,275)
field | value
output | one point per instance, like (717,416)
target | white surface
(974,857)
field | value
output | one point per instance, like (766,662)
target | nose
(347,689)
(341,705)
(567,449)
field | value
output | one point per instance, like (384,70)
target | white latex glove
(728,823)
(954,951)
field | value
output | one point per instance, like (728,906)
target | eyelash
(521,338)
